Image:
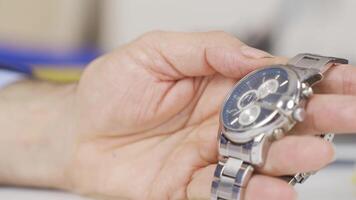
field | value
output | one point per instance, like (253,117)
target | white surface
(8,77)
(125,20)
(319,26)
(346,152)
(329,184)
(33,194)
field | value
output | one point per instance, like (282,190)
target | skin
(142,122)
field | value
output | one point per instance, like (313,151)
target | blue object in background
(22,56)
(17,67)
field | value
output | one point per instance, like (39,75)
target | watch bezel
(283,120)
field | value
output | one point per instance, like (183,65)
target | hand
(148,115)
(143,120)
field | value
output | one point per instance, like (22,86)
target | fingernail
(254,53)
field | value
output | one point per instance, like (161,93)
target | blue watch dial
(252,101)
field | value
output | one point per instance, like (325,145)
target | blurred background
(60,37)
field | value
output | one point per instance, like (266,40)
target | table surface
(329,184)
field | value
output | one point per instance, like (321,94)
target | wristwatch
(261,108)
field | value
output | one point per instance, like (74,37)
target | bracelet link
(230,179)
(313,61)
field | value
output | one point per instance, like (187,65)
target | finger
(329,113)
(200,54)
(211,99)
(290,155)
(294,154)
(340,79)
(205,140)
(259,187)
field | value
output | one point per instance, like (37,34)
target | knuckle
(148,40)
(348,79)
(348,111)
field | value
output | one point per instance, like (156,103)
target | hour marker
(285,82)
(237,112)
(263,80)
(231,111)
(277,76)
(234,121)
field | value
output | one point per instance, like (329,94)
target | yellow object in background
(62,75)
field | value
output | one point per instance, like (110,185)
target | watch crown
(278,133)
(299,114)
(307,91)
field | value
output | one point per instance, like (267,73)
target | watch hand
(236,113)
(271,106)
(234,121)
(264,104)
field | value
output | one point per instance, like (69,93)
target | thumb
(204,53)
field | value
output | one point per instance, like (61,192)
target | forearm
(33,133)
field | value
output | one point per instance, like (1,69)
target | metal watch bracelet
(232,174)
(230,179)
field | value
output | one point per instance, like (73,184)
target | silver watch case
(293,100)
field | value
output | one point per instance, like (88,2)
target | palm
(160,132)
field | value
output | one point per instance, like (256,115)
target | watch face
(252,103)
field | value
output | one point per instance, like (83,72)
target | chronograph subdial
(249,115)
(253,100)
(268,87)
(247,99)
(253,114)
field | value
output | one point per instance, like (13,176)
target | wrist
(36,141)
